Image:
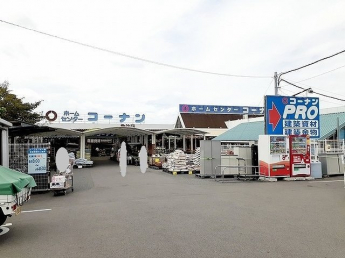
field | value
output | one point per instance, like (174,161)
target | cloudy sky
(255,38)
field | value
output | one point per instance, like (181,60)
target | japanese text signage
(292,115)
(74,116)
(37,161)
(205,109)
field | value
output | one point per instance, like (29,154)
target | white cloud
(236,37)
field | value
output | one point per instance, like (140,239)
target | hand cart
(61,182)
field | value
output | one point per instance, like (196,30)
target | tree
(13,108)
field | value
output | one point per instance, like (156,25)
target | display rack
(18,156)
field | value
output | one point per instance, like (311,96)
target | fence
(18,154)
(326,147)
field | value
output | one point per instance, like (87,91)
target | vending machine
(299,155)
(274,157)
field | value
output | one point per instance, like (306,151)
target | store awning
(183,131)
(24,129)
(57,133)
(119,130)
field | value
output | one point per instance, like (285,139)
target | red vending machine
(299,155)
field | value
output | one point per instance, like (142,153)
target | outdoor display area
(35,159)
(282,152)
(274,157)
(278,157)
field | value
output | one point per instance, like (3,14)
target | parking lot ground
(157,214)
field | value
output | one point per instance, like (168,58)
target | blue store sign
(292,115)
(211,109)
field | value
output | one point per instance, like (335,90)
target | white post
(82,146)
(4,148)
(184,142)
(191,143)
(174,142)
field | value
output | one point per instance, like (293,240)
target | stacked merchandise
(79,162)
(196,160)
(176,161)
(190,162)
(180,162)
(156,161)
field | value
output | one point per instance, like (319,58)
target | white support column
(174,142)
(184,142)
(4,148)
(169,143)
(82,146)
(191,143)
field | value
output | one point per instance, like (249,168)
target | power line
(322,59)
(313,92)
(134,57)
(293,84)
(294,92)
(322,74)
(319,89)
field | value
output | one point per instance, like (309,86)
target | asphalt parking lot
(157,214)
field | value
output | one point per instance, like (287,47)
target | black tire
(2,217)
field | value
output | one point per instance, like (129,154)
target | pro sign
(286,115)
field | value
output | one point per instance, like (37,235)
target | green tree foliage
(13,108)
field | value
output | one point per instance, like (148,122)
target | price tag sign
(37,161)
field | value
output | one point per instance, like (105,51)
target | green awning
(12,181)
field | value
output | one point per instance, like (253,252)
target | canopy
(12,181)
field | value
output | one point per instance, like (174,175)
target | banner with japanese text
(286,115)
(37,161)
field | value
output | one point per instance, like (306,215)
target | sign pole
(275,84)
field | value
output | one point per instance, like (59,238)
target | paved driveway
(160,215)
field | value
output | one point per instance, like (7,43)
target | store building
(194,123)
(212,119)
(4,157)
(248,131)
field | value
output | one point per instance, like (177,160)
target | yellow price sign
(174,173)
(191,172)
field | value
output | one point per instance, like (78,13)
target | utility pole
(275,84)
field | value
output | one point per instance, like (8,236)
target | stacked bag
(179,161)
(196,159)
